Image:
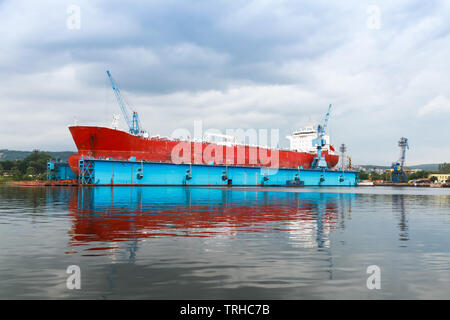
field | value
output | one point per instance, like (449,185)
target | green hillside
(425,167)
(10,155)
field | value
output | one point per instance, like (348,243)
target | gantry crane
(398,173)
(134,125)
(319,161)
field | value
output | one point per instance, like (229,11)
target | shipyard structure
(110,156)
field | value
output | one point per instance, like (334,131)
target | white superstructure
(302,140)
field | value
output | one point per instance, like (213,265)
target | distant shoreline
(13,155)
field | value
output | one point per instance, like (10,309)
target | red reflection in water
(129,220)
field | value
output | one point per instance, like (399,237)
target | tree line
(444,168)
(32,167)
(421,174)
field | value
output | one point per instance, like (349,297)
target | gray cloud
(232,64)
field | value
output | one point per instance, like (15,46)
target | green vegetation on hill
(384,173)
(444,168)
(12,155)
(386,176)
(34,166)
(422,174)
(426,167)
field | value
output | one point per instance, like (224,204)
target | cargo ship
(114,144)
(110,156)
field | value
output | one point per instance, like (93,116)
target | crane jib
(134,124)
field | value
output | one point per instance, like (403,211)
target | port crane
(319,161)
(398,173)
(134,124)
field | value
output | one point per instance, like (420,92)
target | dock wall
(110,172)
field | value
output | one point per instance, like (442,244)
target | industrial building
(441,177)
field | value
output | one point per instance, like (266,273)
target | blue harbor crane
(319,161)
(398,173)
(134,125)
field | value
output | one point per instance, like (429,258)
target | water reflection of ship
(111,215)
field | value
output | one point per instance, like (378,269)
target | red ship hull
(101,142)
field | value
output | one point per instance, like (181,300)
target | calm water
(201,243)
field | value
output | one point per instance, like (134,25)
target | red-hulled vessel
(102,142)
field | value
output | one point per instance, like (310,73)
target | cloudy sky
(384,65)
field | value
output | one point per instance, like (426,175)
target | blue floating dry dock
(114,172)
(59,171)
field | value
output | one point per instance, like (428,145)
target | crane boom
(403,144)
(134,124)
(325,123)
